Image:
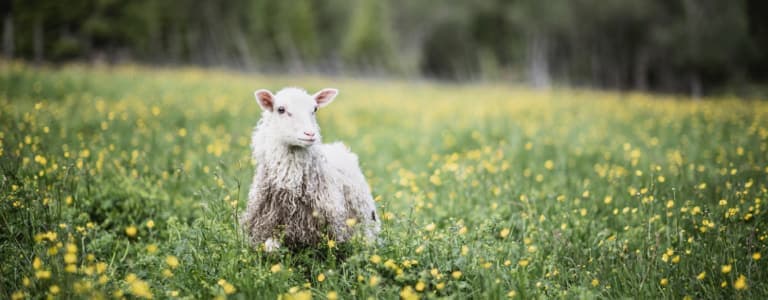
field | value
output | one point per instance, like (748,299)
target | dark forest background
(683,46)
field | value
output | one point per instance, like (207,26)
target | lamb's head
(290,114)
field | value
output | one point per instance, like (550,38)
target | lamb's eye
(315,109)
(280,110)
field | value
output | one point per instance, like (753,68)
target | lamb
(303,191)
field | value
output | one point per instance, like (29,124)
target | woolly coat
(305,195)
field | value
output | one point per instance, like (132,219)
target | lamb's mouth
(308,141)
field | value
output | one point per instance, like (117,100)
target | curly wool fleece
(303,193)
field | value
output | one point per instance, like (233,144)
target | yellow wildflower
(131,231)
(456,274)
(740,283)
(725,269)
(407,293)
(172,261)
(701,276)
(375,259)
(332,295)
(523,263)
(276,268)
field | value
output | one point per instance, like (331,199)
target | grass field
(126,183)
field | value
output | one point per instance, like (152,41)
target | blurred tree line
(691,46)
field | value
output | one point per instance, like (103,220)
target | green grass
(487,191)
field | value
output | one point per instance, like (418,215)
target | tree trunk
(8,36)
(641,70)
(37,41)
(696,88)
(242,48)
(538,61)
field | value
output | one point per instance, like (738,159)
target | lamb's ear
(265,99)
(325,96)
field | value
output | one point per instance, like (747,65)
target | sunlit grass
(127,182)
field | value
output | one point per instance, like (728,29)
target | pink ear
(325,96)
(265,99)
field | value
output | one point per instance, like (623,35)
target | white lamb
(303,191)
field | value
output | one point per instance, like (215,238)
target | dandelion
(54,289)
(595,282)
(664,282)
(43,274)
(756,256)
(351,222)
(331,244)
(172,261)
(512,294)
(407,293)
(434,272)
(740,283)
(140,288)
(456,274)
(17,295)
(150,224)
(701,276)
(523,263)
(70,268)
(332,295)
(228,288)
(676,259)
(430,227)
(463,230)
(151,248)
(320,277)
(37,263)
(131,231)
(725,269)
(435,179)
(375,259)
(276,268)
(101,267)
(504,233)
(373,280)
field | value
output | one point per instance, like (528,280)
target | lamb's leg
(259,223)
(271,245)
(332,209)
(363,208)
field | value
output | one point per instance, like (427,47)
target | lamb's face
(291,114)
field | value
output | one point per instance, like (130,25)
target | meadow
(126,182)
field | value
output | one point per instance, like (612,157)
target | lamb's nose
(309,133)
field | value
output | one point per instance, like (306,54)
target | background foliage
(690,46)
